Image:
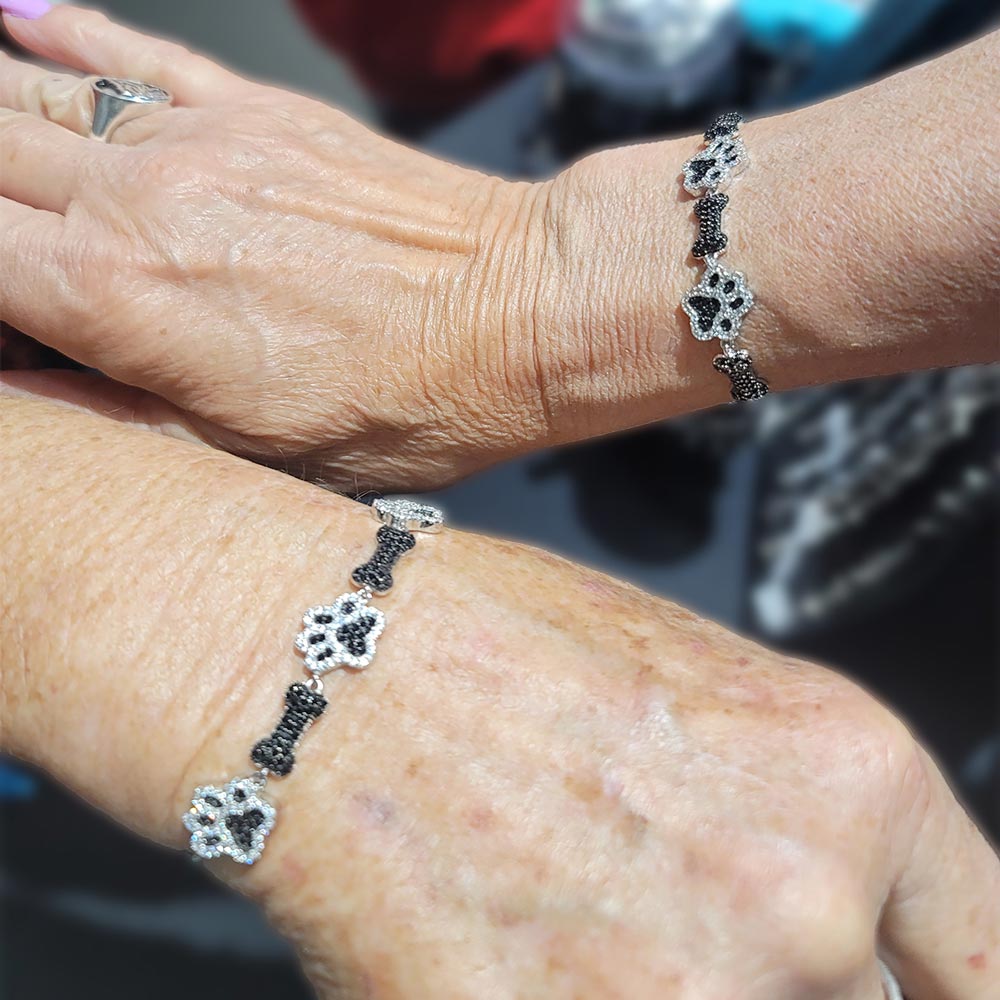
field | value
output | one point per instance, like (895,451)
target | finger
(941,927)
(60,97)
(27,271)
(94,392)
(41,164)
(63,285)
(87,40)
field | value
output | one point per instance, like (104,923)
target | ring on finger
(117,101)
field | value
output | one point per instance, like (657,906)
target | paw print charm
(233,820)
(713,167)
(340,634)
(717,304)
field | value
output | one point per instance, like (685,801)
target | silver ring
(119,101)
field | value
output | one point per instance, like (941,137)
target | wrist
(615,350)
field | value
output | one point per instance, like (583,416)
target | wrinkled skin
(547,784)
(278,280)
(302,289)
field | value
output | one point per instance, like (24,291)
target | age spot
(378,811)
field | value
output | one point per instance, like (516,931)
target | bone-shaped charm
(746,383)
(377,572)
(277,751)
(711,238)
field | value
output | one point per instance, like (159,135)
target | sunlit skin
(306,292)
(546,785)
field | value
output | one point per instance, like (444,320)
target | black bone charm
(277,751)
(377,572)
(746,383)
(711,238)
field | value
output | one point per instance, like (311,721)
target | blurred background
(856,525)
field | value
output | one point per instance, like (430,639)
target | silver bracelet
(234,819)
(717,305)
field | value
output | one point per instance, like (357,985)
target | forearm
(140,597)
(502,796)
(867,226)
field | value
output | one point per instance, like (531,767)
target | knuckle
(864,745)
(164,54)
(822,924)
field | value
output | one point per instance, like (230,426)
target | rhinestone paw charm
(715,165)
(341,634)
(717,304)
(409,515)
(232,820)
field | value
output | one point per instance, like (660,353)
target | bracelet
(235,819)
(717,304)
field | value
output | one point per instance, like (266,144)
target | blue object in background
(772,23)
(15,784)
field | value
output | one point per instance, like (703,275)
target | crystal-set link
(717,305)
(234,819)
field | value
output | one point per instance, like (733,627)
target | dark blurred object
(864,489)
(128,920)
(646,495)
(19,351)
(436,55)
(631,67)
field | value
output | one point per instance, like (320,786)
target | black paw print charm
(232,820)
(746,384)
(340,634)
(717,304)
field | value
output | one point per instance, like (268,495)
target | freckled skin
(474,816)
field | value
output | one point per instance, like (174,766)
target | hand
(546,785)
(277,280)
(298,288)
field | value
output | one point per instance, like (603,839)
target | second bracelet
(717,305)
(235,819)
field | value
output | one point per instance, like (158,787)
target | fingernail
(29,9)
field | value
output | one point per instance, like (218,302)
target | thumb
(941,927)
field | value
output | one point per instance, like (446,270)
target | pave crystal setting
(232,820)
(341,634)
(717,304)
(410,515)
(715,165)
